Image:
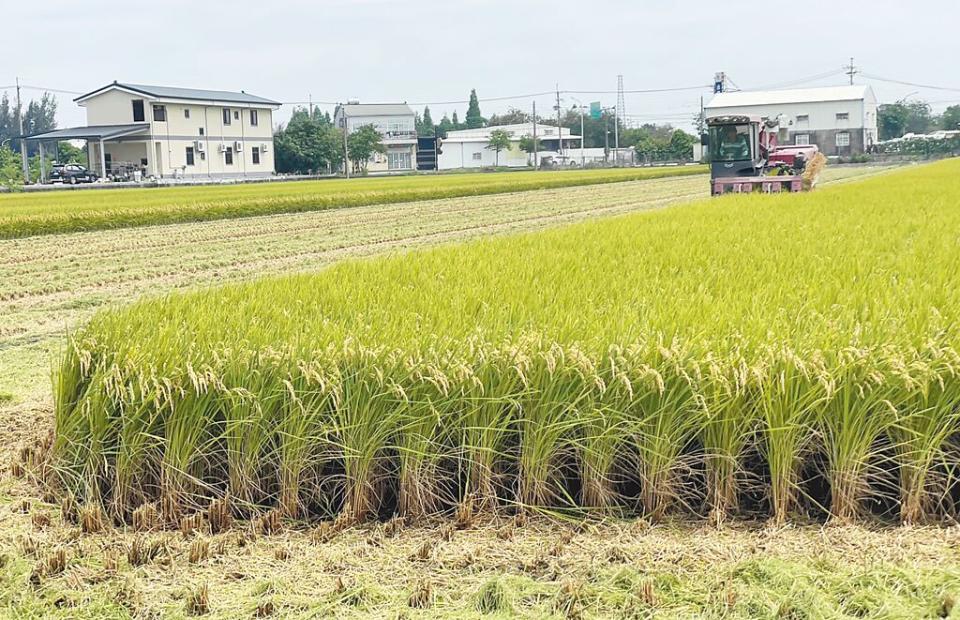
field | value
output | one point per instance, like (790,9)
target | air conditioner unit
(238,146)
(223,147)
(264,147)
(201,146)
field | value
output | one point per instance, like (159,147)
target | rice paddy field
(642,413)
(26,214)
(636,363)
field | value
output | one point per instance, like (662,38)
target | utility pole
(559,130)
(616,138)
(346,152)
(23,143)
(851,70)
(536,148)
(606,136)
(310,103)
(583,160)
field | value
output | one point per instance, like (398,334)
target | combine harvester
(744,157)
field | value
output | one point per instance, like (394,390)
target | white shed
(467,148)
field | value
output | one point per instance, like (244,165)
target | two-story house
(168,132)
(397,125)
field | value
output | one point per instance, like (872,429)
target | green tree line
(894,120)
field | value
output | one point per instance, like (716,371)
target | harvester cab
(745,157)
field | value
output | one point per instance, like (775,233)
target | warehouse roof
(376,109)
(794,95)
(175,92)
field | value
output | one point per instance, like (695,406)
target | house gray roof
(92,132)
(175,92)
(377,109)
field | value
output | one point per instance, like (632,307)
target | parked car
(72,174)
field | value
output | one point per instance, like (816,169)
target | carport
(97,138)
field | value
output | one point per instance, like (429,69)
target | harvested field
(23,215)
(744,338)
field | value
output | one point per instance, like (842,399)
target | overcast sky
(436,51)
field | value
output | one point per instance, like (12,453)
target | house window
(255,154)
(201,131)
(160,113)
(236,115)
(228,156)
(801,139)
(477,156)
(803,118)
(398,160)
(189,155)
(843,138)
(254,120)
(138,111)
(226,116)
(186,113)
(843,116)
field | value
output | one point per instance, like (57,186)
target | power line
(550,93)
(643,91)
(905,83)
(798,81)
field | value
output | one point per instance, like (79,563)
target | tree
(528,144)
(499,141)
(896,119)
(456,121)
(474,119)
(11,172)
(512,116)
(681,145)
(425,128)
(951,118)
(891,120)
(308,144)
(362,144)
(69,154)
(594,129)
(38,117)
(446,125)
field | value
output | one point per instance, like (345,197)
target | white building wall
(820,116)
(167,146)
(476,155)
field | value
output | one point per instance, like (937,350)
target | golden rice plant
(633,363)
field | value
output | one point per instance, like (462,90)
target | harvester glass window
(730,142)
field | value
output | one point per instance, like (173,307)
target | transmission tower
(621,102)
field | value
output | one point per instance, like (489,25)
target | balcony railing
(406,134)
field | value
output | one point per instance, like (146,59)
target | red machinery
(745,157)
